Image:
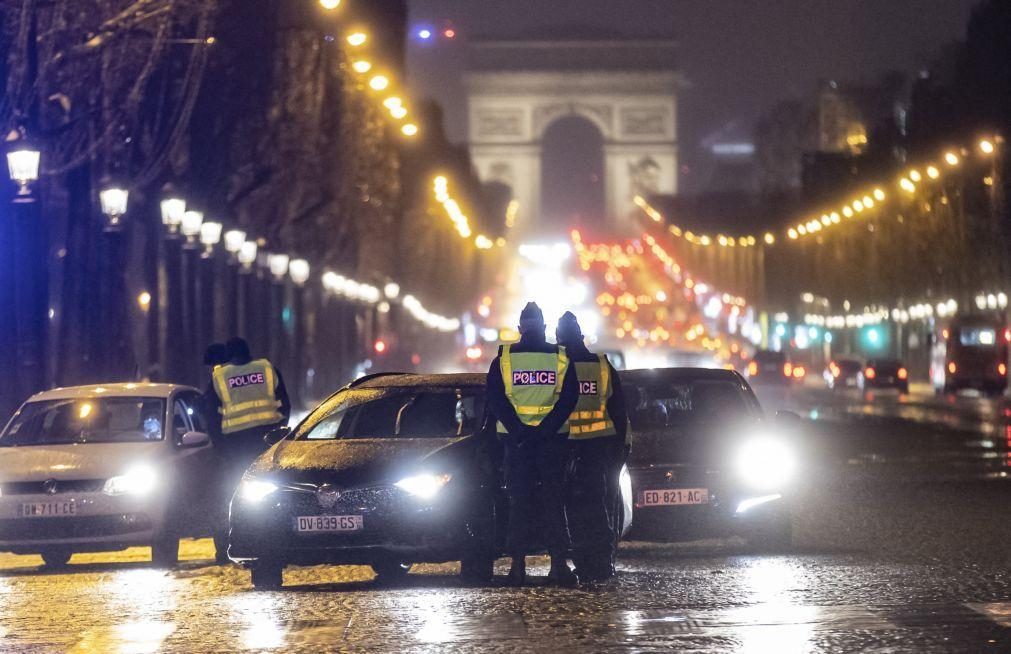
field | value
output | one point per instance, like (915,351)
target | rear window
(849,366)
(770,357)
(399,413)
(89,420)
(977,336)
(661,405)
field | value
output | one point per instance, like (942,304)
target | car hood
(74,461)
(356,462)
(705,445)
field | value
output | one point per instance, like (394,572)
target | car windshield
(660,405)
(399,413)
(87,420)
(770,357)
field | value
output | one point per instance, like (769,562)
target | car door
(196,469)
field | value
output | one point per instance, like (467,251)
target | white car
(103,468)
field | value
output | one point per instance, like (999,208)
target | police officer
(531,392)
(597,432)
(249,399)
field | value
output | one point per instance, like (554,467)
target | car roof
(408,380)
(642,376)
(126,389)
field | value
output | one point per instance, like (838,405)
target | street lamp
(247,254)
(172,211)
(299,270)
(210,235)
(114,202)
(190,227)
(392,291)
(23,165)
(278,264)
(234,238)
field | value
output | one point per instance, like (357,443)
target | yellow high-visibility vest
(533,383)
(590,418)
(247,395)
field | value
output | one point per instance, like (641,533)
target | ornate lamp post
(114,201)
(172,211)
(23,165)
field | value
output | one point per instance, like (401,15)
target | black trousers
(593,494)
(535,482)
(235,453)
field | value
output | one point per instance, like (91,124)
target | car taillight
(787,369)
(952,367)
(1007,335)
(1002,369)
(870,373)
(834,369)
(903,373)
(752,369)
(799,372)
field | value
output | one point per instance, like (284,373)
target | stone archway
(628,90)
(572,173)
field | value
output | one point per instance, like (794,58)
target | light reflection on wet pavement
(917,566)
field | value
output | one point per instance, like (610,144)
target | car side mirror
(194,439)
(276,435)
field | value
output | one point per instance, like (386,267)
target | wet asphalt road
(902,523)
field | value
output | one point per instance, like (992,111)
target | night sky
(741,56)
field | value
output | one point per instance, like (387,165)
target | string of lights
(461,222)
(908,182)
(704,240)
(373,74)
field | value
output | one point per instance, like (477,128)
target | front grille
(76,527)
(61,486)
(673,477)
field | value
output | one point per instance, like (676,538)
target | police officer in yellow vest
(532,389)
(598,428)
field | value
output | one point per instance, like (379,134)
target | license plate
(328,523)
(675,496)
(47,509)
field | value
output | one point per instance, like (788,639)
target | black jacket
(579,353)
(212,403)
(503,410)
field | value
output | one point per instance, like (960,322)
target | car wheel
(388,571)
(267,575)
(775,535)
(56,558)
(165,551)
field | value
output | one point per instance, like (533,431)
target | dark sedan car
(886,373)
(705,460)
(390,471)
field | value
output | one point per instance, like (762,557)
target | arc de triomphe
(627,89)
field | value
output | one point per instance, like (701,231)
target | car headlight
(424,486)
(254,490)
(138,480)
(765,463)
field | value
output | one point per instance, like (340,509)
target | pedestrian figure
(531,392)
(597,431)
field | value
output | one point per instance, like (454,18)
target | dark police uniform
(598,432)
(531,392)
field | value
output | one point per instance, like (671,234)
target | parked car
(885,373)
(705,460)
(392,470)
(844,373)
(102,468)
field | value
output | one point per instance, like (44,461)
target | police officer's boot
(517,572)
(560,573)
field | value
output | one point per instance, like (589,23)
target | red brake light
(952,367)
(787,369)
(945,334)
(870,373)
(1002,369)
(752,369)
(1007,335)
(834,369)
(903,373)
(799,372)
